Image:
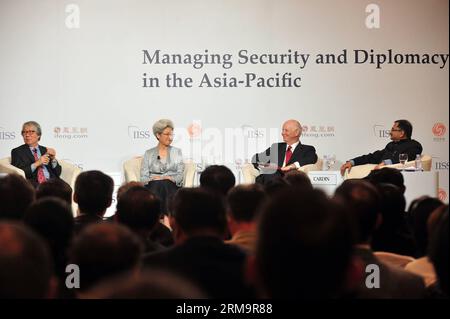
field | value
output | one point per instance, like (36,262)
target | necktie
(40,172)
(288,154)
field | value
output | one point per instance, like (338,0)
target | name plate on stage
(325,178)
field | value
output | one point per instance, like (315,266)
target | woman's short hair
(161,125)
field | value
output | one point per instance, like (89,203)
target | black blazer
(391,151)
(22,158)
(215,267)
(303,154)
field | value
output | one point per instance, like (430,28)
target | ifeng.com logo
(318,131)
(71,132)
(439,130)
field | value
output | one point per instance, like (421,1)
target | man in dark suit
(362,200)
(401,143)
(38,162)
(283,157)
(200,254)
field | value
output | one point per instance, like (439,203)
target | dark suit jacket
(391,151)
(22,158)
(303,154)
(395,282)
(215,267)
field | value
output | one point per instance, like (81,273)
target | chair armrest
(69,172)
(132,169)
(189,174)
(249,173)
(359,171)
(426,163)
(317,166)
(7,168)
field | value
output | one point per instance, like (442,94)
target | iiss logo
(439,130)
(322,131)
(136,133)
(251,132)
(69,132)
(7,135)
(381,132)
(440,165)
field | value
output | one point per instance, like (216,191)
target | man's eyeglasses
(28,132)
(396,130)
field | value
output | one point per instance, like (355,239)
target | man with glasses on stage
(38,162)
(401,143)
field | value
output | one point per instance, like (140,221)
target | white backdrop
(77,67)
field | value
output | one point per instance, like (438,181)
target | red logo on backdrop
(442,194)
(439,129)
(194,130)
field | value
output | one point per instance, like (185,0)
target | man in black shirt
(401,144)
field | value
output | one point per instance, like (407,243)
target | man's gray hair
(36,126)
(161,125)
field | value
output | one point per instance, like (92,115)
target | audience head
(439,250)
(16,194)
(298,179)
(387,175)
(218,178)
(93,192)
(419,212)
(434,218)
(25,263)
(198,210)
(305,245)
(245,202)
(52,219)
(104,250)
(126,186)
(138,208)
(363,202)
(55,187)
(276,185)
(393,205)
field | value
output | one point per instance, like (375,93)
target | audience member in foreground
(25,264)
(16,194)
(93,194)
(52,219)
(139,209)
(304,248)
(244,205)
(200,255)
(102,251)
(363,201)
(218,178)
(150,284)
(438,252)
